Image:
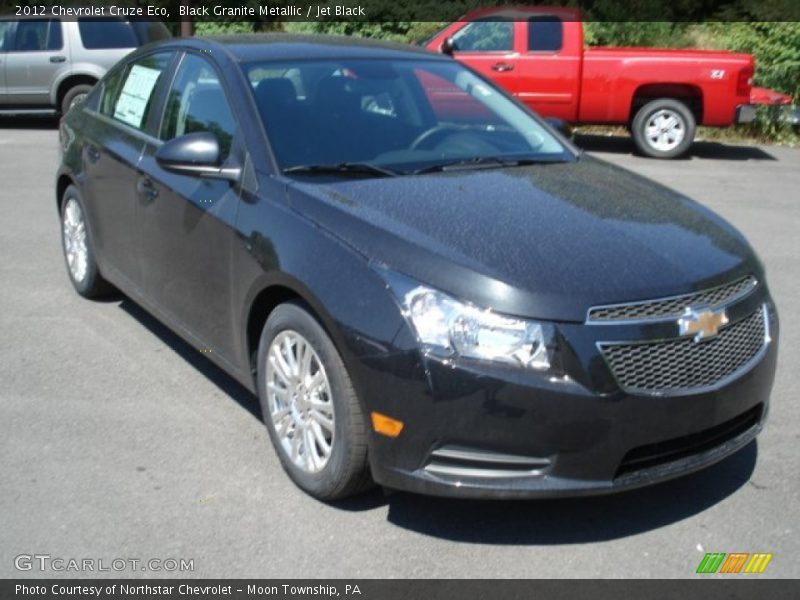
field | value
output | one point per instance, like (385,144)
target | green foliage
(653,34)
(222,27)
(775,45)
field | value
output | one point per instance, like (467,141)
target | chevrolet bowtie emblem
(702,323)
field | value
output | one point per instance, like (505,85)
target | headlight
(448,328)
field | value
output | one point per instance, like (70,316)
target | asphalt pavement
(119,441)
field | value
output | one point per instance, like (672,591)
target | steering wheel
(434,133)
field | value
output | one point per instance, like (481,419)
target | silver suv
(47,65)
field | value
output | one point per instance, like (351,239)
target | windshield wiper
(354,168)
(482,162)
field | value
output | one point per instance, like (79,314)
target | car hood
(544,241)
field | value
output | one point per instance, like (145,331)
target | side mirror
(561,126)
(196,154)
(448,46)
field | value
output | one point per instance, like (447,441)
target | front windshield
(398,115)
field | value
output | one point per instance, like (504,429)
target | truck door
(549,66)
(488,47)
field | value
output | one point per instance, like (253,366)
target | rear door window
(97,34)
(545,34)
(38,35)
(129,94)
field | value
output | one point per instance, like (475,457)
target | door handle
(93,154)
(58,59)
(502,67)
(146,188)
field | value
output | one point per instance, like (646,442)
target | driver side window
(485,36)
(197,102)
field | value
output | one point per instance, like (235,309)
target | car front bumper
(472,431)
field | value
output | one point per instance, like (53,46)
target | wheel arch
(267,297)
(71,81)
(63,181)
(688,93)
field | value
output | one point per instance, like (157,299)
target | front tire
(310,407)
(76,244)
(663,128)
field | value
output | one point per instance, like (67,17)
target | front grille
(684,364)
(652,455)
(674,306)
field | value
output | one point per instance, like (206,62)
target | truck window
(106,33)
(485,36)
(545,34)
(38,35)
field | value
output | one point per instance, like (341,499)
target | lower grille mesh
(683,364)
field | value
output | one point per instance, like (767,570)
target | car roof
(285,46)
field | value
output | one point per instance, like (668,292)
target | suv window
(545,34)
(197,102)
(37,35)
(485,36)
(106,33)
(5,32)
(128,94)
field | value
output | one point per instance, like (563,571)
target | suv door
(188,222)
(112,150)
(35,59)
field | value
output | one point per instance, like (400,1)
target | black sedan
(427,285)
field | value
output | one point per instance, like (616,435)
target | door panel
(36,59)
(188,222)
(111,154)
(110,157)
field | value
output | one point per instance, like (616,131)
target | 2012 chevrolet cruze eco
(425,284)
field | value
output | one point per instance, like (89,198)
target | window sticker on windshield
(133,99)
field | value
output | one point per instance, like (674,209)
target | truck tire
(663,128)
(74,95)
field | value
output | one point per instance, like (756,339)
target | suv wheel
(663,128)
(74,95)
(309,406)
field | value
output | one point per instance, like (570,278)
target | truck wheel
(663,128)
(309,406)
(74,95)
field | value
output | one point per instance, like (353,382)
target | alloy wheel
(300,401)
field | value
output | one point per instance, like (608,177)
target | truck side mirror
(448,46)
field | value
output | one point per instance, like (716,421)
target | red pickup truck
(537,54)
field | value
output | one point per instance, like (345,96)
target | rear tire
(74,95)
(663,128)
(310,407)
(76,243)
